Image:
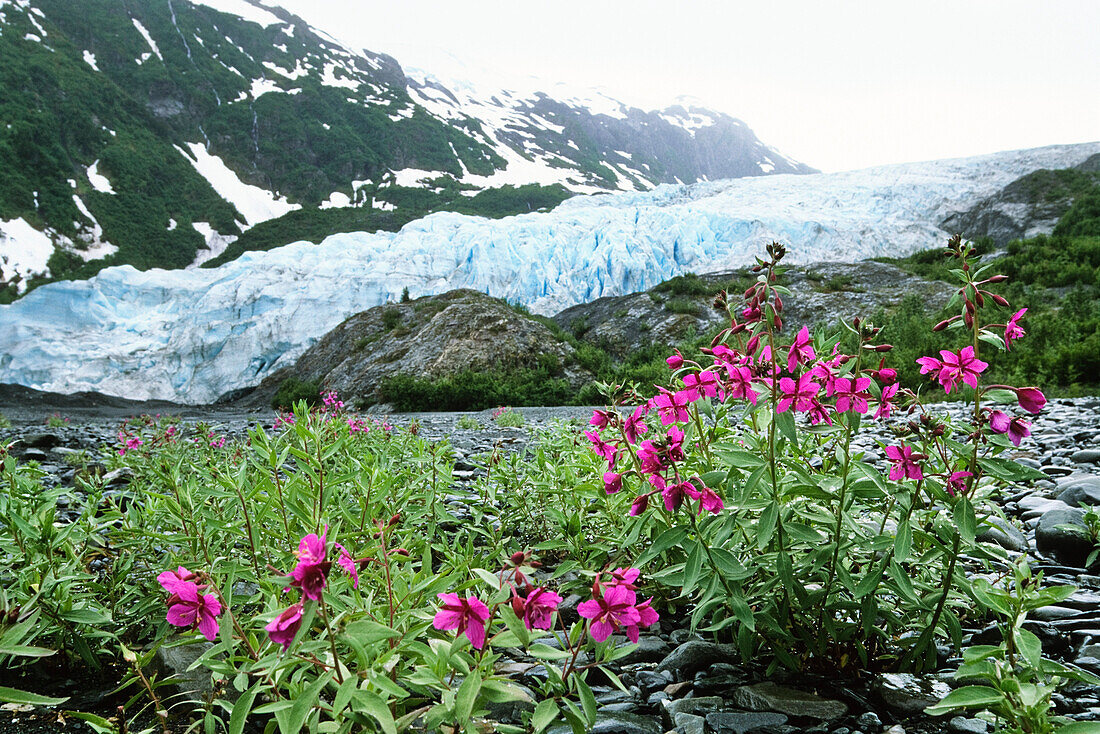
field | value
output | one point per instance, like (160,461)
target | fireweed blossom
(537,608)
(885,406)
(951,368)
(956,483)
(612,482)
(187,606)
(801,351)
(610,610)
(1013,330)
(603,448)
(672,407)
(801,394)
(1031,399)
(905,466)
(283,628)
(469,615)
(1016,429)
(850,394)
(634,426)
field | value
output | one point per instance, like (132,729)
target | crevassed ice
(193,335)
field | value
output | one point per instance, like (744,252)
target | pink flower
(188,608)
(1013,330)
(709,501)
(171,580)
(639,505)
(850,394)
(740,383)
(635,426)
(705,383)
(1031,398)
(624,577)
(283,628)
(610,611)
(956,483)
(674,494)
(599,419)
(348,564)
(312,570)
(954,368)
(647,618)
(885,406)
(904,464)
(1016,428)
(469,615)
(612,482)
(537,609)
(802,394)
(675,361)
(672,407)
(602,448)
(801,351)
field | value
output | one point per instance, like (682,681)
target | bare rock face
(431,337)
(673,311)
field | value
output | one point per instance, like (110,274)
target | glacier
(192,335)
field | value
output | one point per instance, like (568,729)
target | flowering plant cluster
(792,538)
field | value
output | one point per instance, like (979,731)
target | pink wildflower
(612,482)
(1031,399)
(602,448)
(802,394)
(675,361)
(469,615)
(904,464)
(599,419)
(348,564)
(639,505)
(609,611)
(283,628)
(1017,429)
(1013,330)
(537,608)
(704,384)
(647,617)
(672,407)
(885,406)
(956,483)
(634,425)
(801,351)
(625,577)
(954,368)
(188,608)
(740,383)
(312,570)
(850,394)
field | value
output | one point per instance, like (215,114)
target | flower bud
(1031,399)
(1000,278)
(517,558)
(675,361)
(777,322)
(979,298)
(943,324)
(778,304)
(968,319)
(754,342)
(884,347)
(999,299)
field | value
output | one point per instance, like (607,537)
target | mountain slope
(193,335)
(155,132)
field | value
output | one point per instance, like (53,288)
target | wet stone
(1065,546)
(770,696)
(743,723)
(909,694)
(968,726)
(696,655)
(689,724)
(617,723)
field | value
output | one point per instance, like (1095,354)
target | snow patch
(98,181)
(413,176)
(335,200)
(216,243)
(329,78)
(299,70)
(148,39)
(24,251)
(95,247)
(263,86)
(89,59)
(254,203)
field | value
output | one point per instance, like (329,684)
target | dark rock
(769,696)
(649,680)
(617,723)
(696,655)
(174,660)
(1066,546)
(118,477)
(35,455)
(1081,492)
(968,726)
(698,706)
(909,694)
(650,649)
(44,441)
(689,724)
(743,723)
(869,721)
(1003,533)
(1086,456)
(1090,664)
(511,712)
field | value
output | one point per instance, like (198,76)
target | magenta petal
(208,626)
(589,609)
(475,632)
(181,615)
(446,619)
(601,630)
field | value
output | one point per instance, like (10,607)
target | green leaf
(728,565)
(545,652)
(1029,646)
(467,696)
(965,520)
(1008,470)
(491,579)
(515,626)
(965,698)
(588,700)
(766,525)
(26,651)
(372,705)
(903,541)
(544,715)
(664,541)
(242,707)
(692,568)
(366,631)
(1079,727)
(785,423)
(14,695)
(293,719)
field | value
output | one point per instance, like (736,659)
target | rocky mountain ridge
(158,133)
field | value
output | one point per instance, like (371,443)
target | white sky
(838,85)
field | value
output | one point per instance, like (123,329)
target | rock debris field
(681,681)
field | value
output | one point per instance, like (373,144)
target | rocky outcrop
(430,337)
(676,309)
(1029,206)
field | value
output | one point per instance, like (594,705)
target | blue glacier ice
(191,335)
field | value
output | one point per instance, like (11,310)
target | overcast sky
(838,85)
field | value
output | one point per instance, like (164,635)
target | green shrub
(291,390)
